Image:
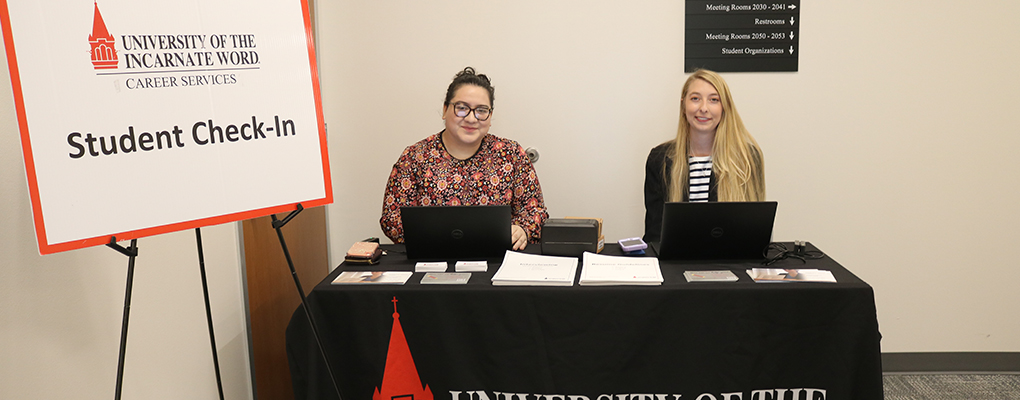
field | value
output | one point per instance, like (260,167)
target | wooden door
(272,295)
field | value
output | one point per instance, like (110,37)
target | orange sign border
(26,145)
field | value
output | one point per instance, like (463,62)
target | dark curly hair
(469,77)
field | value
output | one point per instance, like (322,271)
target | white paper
(600,269)
(372,278)
(471,266)
(711,276)
(445,278)
(435,266)
(520,269)
(763,275)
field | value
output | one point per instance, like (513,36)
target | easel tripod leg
(278,225)
(131,252)
(208,312)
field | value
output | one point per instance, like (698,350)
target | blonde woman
(718,158)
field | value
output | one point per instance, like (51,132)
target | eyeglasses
(461,110)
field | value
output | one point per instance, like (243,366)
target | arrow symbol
(791,35)
(791,49)
(793,6)
(791,21)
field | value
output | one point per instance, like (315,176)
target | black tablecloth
(680,340)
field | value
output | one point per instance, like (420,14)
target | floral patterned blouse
(499,174)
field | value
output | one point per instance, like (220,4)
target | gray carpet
(951,387)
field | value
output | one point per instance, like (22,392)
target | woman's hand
(519,237)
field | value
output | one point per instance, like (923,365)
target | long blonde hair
(738,167)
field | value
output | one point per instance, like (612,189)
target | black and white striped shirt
(700,174)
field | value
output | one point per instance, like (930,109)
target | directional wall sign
(742,36)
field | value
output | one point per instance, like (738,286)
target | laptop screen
(456,232)
(716,230)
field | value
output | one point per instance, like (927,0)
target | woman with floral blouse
(465,165)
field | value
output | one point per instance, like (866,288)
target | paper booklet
(603,270)
(520,269)
(446,278)
(372,278)
(764,275)
(710,276)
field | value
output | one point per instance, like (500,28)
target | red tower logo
(104,54)
(400,378)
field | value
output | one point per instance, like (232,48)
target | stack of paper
(724,275)
(372,278)
(445,278)
(791,275)
(471,266)
(436,266)
(602,270)
(520,269)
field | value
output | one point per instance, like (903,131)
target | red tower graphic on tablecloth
(104,54)
(400,378)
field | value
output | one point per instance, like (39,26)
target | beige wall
(891,149)
(60,314)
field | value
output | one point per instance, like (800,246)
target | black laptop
(716,230)
(456,232)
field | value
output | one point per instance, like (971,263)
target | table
(677,341)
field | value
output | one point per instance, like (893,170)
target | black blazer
(657,170)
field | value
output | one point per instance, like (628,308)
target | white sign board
(140,118)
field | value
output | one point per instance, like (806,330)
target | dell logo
(457,233)
(717,232)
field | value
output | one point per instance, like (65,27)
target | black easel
(131,252)
(278,225)
(208,311)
